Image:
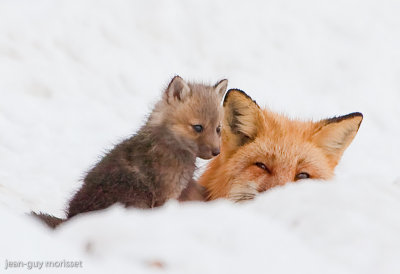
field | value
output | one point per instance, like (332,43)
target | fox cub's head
(193,114)
(261,149)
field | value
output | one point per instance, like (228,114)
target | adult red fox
(261,149)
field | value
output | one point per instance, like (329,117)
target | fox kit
(158,162)
(261,149)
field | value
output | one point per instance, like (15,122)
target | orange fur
(261,149)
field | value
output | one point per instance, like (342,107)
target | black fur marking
(240,91)
(342,118)
(216,85)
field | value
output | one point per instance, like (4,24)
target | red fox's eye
(218,129)
(197,128)
(262,166)
(302,175)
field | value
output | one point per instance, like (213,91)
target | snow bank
(79,76)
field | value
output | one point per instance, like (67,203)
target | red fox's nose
(215,152)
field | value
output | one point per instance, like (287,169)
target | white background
(77,76)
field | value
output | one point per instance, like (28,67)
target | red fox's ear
(335,135)
(176,90)
(221,87)
(242,118)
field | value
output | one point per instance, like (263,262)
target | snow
(78,76)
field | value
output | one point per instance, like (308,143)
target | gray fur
(156,163)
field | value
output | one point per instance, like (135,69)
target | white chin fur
(243,192)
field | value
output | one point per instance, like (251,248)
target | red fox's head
(261,149)
(193,114)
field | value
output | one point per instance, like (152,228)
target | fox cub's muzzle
(207,152)
(209,149)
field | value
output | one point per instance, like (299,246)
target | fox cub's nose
(215,152)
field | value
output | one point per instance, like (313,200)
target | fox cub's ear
(177,90)
(335,135)
(221,87)
(242,118)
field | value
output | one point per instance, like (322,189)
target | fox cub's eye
(218,129)
(197,128)
(302,175)
(262,166)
